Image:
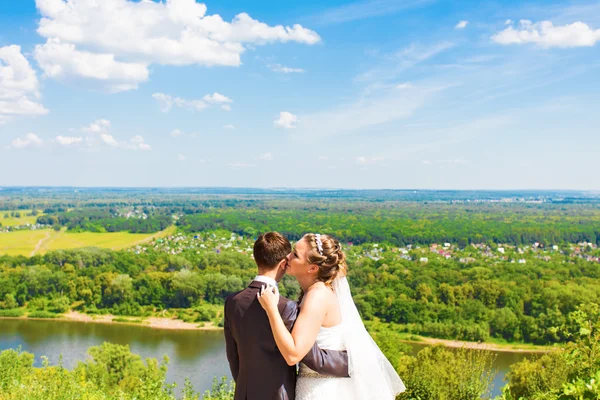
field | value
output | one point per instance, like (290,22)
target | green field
(41,241)
(12,221)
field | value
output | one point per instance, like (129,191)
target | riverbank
(148,322)
(497,347)
(177,324)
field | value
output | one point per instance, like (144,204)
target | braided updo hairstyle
(331,260)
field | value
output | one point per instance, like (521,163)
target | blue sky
(425,94)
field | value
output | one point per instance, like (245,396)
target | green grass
(25,242)
(128,320)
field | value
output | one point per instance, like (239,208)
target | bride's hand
(268,297)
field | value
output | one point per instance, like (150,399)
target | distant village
(230,242)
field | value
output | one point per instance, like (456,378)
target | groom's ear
(281,264)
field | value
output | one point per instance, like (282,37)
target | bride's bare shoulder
(319,293)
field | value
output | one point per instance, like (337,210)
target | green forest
(522,272)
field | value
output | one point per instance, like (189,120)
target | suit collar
(257,284)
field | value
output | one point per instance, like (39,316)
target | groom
(258,368)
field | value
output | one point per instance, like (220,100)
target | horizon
(354,94)
(275,188)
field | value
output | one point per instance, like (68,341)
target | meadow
(31,242)
(13,221)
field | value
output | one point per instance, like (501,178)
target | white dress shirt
(266,279)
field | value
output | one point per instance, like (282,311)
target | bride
(329,316)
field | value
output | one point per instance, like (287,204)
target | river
(198,355)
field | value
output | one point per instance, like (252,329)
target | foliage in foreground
(112,373)
(568,373)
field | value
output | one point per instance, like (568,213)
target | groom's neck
(270,273)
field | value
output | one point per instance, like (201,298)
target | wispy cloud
(366,9)
(381,106)
(282,69)
(395,63)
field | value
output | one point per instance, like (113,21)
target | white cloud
(283,69)
(286,120)
(176,133)
(136,143)
(62,60)
(19,86)
(228,126)
(405,85)
(180,157)
(368,160)
(98,126)
(462,24)
(218,99)
(545,34)
(68,140)
(115,41)
(99,135)
(166,102)
(30,140)
(323,158)
(266,157)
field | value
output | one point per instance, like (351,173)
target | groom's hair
(270,248)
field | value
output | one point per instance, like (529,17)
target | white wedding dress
(372,377)
(313,386)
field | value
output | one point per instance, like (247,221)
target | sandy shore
(148,322)
(504,348)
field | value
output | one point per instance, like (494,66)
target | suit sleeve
(326,362)
(230,346)
(289,314)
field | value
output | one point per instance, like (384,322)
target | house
(501,250)
(423,259)
(522,261)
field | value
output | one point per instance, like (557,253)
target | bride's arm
(295,345)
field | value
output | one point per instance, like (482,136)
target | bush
(14,313)
(222,390)
(130,309)
(59,305)
(42,314)
(39,304)
(448,374)
(565,373)
(205,314)
(9,302)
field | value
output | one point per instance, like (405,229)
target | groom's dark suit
(258,368)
